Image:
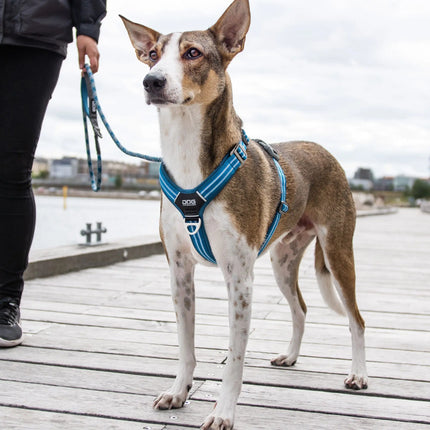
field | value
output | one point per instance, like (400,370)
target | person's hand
(87,46)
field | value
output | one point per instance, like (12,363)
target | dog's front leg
(182,285)
(239,279)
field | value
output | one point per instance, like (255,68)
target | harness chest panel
(191,203)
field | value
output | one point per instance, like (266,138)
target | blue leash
(90,108)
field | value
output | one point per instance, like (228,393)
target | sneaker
(10,323)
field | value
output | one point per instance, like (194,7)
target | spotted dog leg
(238,275)
(182,285)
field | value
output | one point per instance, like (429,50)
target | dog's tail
(325,282)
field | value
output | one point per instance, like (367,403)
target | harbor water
(123,218)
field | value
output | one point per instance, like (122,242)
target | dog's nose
(154,82)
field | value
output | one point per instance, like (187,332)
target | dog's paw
(217,423)
(356,382)
(284,360)
(169,401)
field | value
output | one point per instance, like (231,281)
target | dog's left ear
(230,30)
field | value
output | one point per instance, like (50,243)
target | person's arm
(87,16)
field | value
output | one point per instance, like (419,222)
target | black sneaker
(10,323)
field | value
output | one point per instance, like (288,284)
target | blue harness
(192,203)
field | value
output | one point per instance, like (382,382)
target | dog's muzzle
(154,83)
(155,88)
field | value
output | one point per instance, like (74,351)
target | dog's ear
(230,30)
(142,38)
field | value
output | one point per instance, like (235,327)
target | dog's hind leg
(337,252)
(286,257)
(182,285)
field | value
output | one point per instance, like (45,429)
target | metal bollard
(89,232)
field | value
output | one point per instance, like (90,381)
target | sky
(352,75)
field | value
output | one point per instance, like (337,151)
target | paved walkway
(101,344)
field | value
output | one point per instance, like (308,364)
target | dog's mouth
(162,101)
(157,101)
(187,100)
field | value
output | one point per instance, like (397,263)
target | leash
(90,108)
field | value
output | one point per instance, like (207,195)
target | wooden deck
(101,344)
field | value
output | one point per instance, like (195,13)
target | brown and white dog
(192,91)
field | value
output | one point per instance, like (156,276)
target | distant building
(40,165)
(362,180)
(403,183)
(74,171)
(364,173)
(385,183)
(361,184)
(66,167)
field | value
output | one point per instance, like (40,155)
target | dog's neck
(195,138)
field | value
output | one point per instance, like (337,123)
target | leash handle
(90,108)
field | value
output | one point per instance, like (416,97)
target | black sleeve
(87,16)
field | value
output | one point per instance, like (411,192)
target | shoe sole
(10,343)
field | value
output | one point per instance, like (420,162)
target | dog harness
(192,203)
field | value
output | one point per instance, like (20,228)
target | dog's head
(189,67)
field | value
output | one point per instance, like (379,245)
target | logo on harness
(189,202)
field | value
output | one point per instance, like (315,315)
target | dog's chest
(218,225)
(180,130)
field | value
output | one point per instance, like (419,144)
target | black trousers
(28,77)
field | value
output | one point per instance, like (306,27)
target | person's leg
(27,79)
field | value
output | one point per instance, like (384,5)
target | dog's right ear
(142,38)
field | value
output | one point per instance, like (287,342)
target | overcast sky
(352,75)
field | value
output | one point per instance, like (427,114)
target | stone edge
(57,261)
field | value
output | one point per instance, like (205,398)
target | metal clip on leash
(90,107)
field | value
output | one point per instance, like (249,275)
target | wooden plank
(255,374)
(336,335)
(324,402)
(148,321)
(120,406)
(13,418)
(74,377)
(262,299)
(316,315)
(93,403)
(64,334)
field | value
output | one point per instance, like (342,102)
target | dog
(191,89)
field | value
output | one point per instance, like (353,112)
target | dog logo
(189,202)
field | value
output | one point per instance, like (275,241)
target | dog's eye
(192,54)
(153,55)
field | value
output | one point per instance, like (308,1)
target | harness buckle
(269,149)
(235,151)
(282,207)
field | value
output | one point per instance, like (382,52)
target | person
(33,43)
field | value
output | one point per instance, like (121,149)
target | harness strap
(192,203)
(281,209)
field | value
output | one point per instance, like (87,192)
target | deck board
(101,343)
